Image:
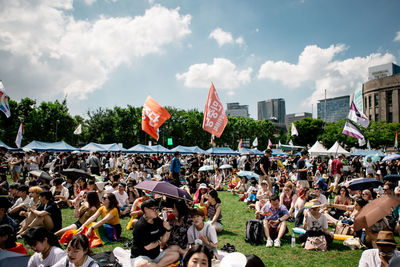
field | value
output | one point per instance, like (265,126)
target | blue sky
(106,53)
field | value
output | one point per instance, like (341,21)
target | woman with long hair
(45,244)
(83,211)
(213,209)
(109,213)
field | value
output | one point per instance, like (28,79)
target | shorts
(16,169)
(303,184)
(337,178)
(78,224)
(218,225)
(273,232)
(138,259)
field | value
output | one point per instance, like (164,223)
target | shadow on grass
(225,232)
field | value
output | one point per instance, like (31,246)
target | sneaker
(269,243)
(277,243)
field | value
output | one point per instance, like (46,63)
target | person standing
(337,171)
(265,165)
(302,170)
(94,164)
(175,169)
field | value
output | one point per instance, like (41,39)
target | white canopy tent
(337,149)
(318,149)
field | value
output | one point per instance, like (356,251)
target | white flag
(20,133)
(294,130)
(78,129)
(368,145)
(361,142)
(255,142)
(291,143)
(357,116)
(279,144)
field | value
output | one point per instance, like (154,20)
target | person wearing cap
(149,233)
(203,189)
(315,222)
(302,170)
(265,166)
(175,169)
(384,255)
(275,216)
(336,169)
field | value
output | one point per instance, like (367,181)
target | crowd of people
(297,189)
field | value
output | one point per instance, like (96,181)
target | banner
(352,130)
(4,101)
(20,134)
(357,116)
(78,129)
(153,116)
(215,118)
(294,130)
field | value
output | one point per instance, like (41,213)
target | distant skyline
(106,53)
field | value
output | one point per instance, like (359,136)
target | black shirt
(144,234)
(54,212)
(301,164)
(266,164)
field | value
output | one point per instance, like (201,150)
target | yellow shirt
(114,212)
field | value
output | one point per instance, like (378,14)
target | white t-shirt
(370,258)
(20,201)
(121,197)
(63,263)
(55,255)
(208,230)
(322,199)
(314,224)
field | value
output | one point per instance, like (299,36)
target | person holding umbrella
(384,255)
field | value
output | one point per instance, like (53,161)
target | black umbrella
(392,177)
(364,183)
(76,173)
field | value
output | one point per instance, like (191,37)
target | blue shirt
(175,165)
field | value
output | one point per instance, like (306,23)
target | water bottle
(293,240)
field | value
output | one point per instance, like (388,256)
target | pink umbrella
(164,188)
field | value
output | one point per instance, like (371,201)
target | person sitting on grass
(136,211)
(213,205)
(21,204)
(47,214)
(83,211)
(8,240)
(203,189)
(288,197)
(60,193)
(149,233)
(275,217)
(109,214)
(315,222)
(45,244)
(216,181)
(78,252)
(202,232)
(123,199)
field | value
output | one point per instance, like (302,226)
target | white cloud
(397,38)
(317,66)
(89,2)
(223,73)
(50,52)
(223,37)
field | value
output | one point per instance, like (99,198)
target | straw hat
(314,203)
(385,238)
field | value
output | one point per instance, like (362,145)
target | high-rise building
(336,108)
(236,110)
(272,109)
(290,118)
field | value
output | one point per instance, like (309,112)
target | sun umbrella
(392,177)
(391,157)
(248,174)
(225,166)
(375,211)
(164,188)
(206,168)
(41,174)
(364,183)
(76,173)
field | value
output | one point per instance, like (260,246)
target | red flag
(153,116)
(215,118)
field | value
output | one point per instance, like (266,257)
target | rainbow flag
(396,143)
(104,234)
(240,145)
(4,101)
(269,144)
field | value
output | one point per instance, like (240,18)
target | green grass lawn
(235,214)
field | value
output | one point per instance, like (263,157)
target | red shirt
(337,166)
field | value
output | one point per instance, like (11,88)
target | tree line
(51,122)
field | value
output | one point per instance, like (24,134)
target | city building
(236,110)
(380,71)
(382,99)
(336,108)
(290,118)
(272,109)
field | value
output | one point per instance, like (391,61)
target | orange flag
(215,118)
(153,116)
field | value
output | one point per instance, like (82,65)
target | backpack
(106,259)
(255,232)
